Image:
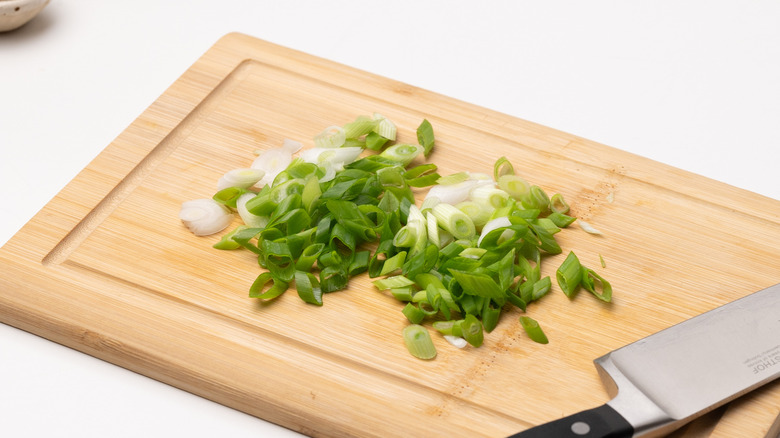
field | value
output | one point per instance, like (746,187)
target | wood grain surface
(107,268)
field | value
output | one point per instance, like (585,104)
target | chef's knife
(667,379)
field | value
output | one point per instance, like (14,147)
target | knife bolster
(645,416)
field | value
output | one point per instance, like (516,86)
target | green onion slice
(589,279)
(331,137)
(392,282)
(227,242)
(413,313)
(277,288)
(360,127)
(502,167)
(403,153)
(454,221)
(418,341)
(533,330)
(425,136)
(471,329)
(479,284)
(385,127)
(569,275)
(333,278)
(558,204)
(515,186)
(308,287)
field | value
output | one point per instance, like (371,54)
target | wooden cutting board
(108,269)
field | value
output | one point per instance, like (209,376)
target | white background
(694,84)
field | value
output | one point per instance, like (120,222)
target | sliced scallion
(403,153)
(375,141)
(502,167)
(418,341)
(413,313)
(514,185)
(392,282)
(394,264)
(425,136)
(277,288)
(308,287)
(533,330)
(569,275)
(385,127)
(454,221)
(331,137)
(490,196)
(589,280)
(205,216)
(471,329)
(588,228)
(558,204)
(361,126)
(243,178)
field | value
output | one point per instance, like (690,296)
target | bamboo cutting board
(108,269)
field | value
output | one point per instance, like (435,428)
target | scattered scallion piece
(205,216)
(589,280)
(533,330)
(558,204)
(418,341)
(588,228)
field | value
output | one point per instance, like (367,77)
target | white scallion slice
(385,127)
(336,156)
(205,216)
(272,162)
(490,196)
(331,137)
(291,146)
(243,178)
(479,213)
(516,186)
(454,221)
(419,224)
(433,229)
(454,178)
(452,193)
(428,203)
(456,341)
(588,228)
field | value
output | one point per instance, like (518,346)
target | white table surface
(693,84)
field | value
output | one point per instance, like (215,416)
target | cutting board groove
(107,268)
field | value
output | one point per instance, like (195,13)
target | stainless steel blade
(670,377)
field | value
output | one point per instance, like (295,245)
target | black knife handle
(601,422)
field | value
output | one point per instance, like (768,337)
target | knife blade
(661,382)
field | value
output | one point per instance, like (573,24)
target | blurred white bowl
(15,13)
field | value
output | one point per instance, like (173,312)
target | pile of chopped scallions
(472,248)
